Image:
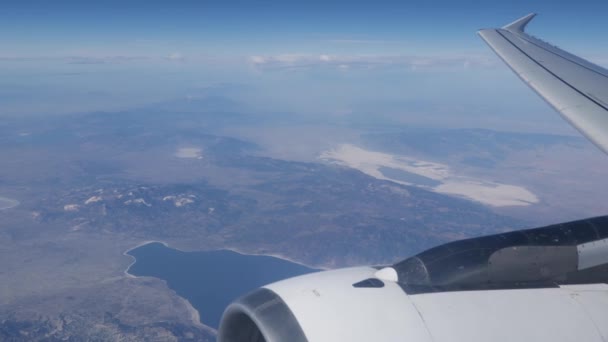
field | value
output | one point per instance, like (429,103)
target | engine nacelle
(349,304)
(550,282)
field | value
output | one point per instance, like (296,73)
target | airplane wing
(576,88)
(543,284)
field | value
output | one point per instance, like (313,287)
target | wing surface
(576,88)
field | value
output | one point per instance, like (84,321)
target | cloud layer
(289,62)
(346,62)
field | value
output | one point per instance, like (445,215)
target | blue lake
(210,280)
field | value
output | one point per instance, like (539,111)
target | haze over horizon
(388,61)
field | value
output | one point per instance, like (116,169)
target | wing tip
(520,24)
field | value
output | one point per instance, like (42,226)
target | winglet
(520,24)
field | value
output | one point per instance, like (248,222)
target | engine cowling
(350,304)
(499,274)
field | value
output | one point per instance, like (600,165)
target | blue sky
(418,60)
(249,27)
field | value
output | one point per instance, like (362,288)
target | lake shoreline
(195,316)
(231,249)
(141,244)
(276,256)
(194,313)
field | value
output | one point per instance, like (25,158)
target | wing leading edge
(576,88)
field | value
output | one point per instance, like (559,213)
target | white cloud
(175,56)
(367,41)
(348,62)
(291,61)
(257,59)
(76,59)
(102,59)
